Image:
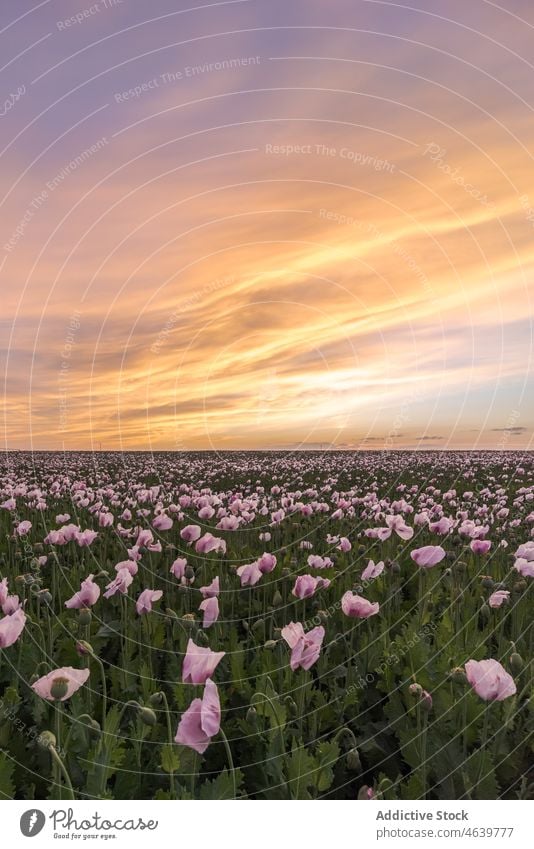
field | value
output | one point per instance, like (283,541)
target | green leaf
(221,787)
(170,759)
(7,767)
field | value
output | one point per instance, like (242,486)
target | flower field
(266,625)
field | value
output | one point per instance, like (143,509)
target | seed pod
(291,706)
(189,573)
(84,616)
(59,688)
(277,599)
(488,582)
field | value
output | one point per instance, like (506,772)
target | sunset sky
(267,224)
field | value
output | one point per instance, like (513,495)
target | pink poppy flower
(316,562)
(120,584)
(4,591)
(55,538)
(201,721)
(86,538)
(209,543)
(210,608)
(105,520)
(11,627)
(249,574)
(372,571)
(87,595)
(307,585)
(23,528)
(344,544)
(75,678)
(62,518)
(480,546)
(10,504)
(206,512)
(146,599)
(305,647)
(212,590)
(162,522)
(69,532)
(130,565)
(199,663)
(396,523)
(428,555)
(524,567)
(178,567)
(190,533)
(490,680)
(358,607)
(266,562)
(498,598)
(11,604)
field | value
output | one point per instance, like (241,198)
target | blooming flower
(212,590)
(249,574)
(209,543)
(178,568)
(11,627)
(74,678)
(428,555)
(305,647)
(480,546)
(266,562)
(162,522)
(85,538)
(87,595)
(199,663)
(490,680)
(210,608)
(120,584)
(201,721)
(496,599)
(344,544)
(23,528)
(372,570)
(146,599)
(190,533)
(357,607)
(307,585)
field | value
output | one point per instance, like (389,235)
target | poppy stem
(59,765)
(170,737)
(230,759)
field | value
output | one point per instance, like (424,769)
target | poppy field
(266,625)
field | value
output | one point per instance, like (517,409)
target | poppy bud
(395,567)
(365,793)
(46,739)
(415,690)
(84,648)
(426,701)
(516,663)
(488,582)
(277,599)
(458,675)
(258,625)
(189,573)
(171,614)
(285,573)
(147,716)
(291,706)
(84,616)
(202,639)
(353,761)
(156,699)
(459,566)
(59,688)
(245,624)
(519,587)
(252,716)
(270,644)
(44,597)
